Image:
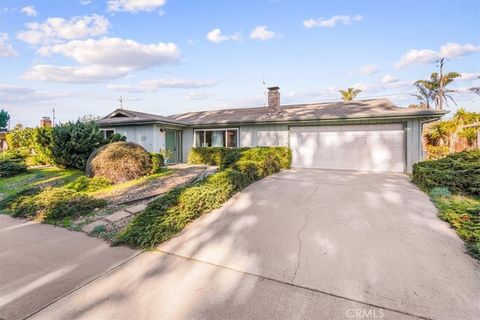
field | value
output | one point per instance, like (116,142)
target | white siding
(143,135)
(187,143)
(264,135)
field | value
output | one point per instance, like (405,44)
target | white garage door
(378,147)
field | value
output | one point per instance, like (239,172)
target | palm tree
(433,90)
(349,94)
(440,133)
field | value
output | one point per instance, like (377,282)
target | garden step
(116,216)
(136,209)
(89,227)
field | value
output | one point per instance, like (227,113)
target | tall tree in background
(434,90)
(349,94)
(4,118)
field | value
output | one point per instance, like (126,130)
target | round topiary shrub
(119,162)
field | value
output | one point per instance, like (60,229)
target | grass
(463,214)
(58,196)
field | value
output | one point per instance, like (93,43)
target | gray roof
(126,117)
(373,108)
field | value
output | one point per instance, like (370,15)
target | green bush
(225,157)
(215,156)
(157,160)
(437,152)
(12,163)
(73,142)
(119,162)
(166,216)
(53,205)
(42,145)
(459,172)
(86,184)
(463,213)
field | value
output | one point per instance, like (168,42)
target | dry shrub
(119,162)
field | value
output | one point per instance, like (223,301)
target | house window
(216,138)
(107,133)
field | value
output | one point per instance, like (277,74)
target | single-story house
(370,135)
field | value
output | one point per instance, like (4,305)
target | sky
(172,56)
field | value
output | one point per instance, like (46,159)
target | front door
(171,145)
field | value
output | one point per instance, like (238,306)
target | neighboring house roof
(126,117)
(373,108)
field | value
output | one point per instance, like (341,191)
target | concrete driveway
(302,244)
(41,263)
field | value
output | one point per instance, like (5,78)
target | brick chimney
(273,100)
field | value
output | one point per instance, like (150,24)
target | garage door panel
(349,147)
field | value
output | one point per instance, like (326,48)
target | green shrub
(12,163)
(166,216)
(120,162)
(437,152)
(225,157)
(116,137)
(53,205)
(42,145)
(463,214)
(216,156)
(440,192)
(459,172)
(157,160)
(86,184)
(73,142)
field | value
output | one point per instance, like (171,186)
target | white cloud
(262,33)
(11,94)
(332,22)
(197,96)
(102,59)
(216,36)
(57,29)
(368,69)
(388,78)
(29,11)
(116,52)
(76,74)
(6,49)
(153,85)
(425,56)
(134,5)
(85,2)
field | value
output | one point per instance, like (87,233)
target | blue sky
(172,56)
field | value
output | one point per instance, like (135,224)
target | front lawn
(60,196)
(453,183)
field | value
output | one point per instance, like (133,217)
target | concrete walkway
(40,263)
(302,244)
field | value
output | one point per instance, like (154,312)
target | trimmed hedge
(12,163)
(166,216)
(225,157)
(459,172)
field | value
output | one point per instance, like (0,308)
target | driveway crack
(299,239)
